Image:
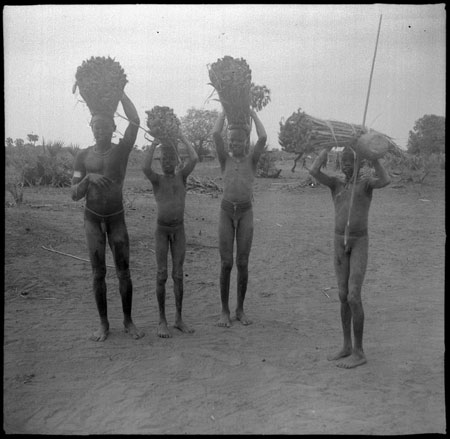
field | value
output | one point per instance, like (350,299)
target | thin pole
(357,160)
(371,73)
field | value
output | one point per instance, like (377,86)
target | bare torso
(170,194)
(112,165)
(238,178)
(341,194)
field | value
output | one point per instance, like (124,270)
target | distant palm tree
(33,138)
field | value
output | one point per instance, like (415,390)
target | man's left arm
(382,178)
(262,137)
(130,112)
(193,157)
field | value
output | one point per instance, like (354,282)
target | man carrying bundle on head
(351,242)
(231,77)
(99,173)
(236,212)
(169,190)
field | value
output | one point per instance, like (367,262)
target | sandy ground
(270,377)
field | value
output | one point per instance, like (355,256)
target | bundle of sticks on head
(302,133)
(164,125)
(101,82)
(232,79)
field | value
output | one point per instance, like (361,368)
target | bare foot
(129,328)
(225,321)
(101,334)
(240,315)
(344,352)
(182,327)
(354,360)
(163,331)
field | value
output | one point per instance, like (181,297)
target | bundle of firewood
(164,125)
(302,133)
(101,82)
(232,79)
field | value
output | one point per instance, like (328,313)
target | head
(238,141)
(103,127)
(168,159)
(348,162)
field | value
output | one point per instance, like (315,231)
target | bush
(49,164)
(413,168)
(266,165)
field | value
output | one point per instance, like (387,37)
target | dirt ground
(271,377)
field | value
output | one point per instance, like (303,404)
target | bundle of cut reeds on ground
(231,78)
(204,185)
(164,125)
(302,133)
(101,82)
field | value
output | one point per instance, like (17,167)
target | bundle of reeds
(231,78)
(164,125)
(101,82)
(302,133)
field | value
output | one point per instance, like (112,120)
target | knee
(343,295)
(177,274)
(242,262)
(123,274)
(226,265)
(99,272)
(161,276)
(354,296)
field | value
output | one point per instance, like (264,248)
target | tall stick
(371,72)
(357,161)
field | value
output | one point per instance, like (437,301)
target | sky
(317,58)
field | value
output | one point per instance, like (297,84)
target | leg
(358,264)
(226,240)
(96,242)
(178,250)
(120,247)
(342,269)
(161,249)
(244,238)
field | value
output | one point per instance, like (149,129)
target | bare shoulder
(83,153)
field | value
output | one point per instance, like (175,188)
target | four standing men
(99,173)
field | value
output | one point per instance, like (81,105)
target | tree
(197,126)
(9,142)
(19,143)
(259,96)
(33,138)
(428,135)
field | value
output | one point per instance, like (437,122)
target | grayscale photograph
(224,219)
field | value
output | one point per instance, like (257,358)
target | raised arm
(262,137)
(382,178)
(193,157)
(218,140)
(317,173)
(147,166)
(130,112)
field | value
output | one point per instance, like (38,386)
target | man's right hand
(100,180)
